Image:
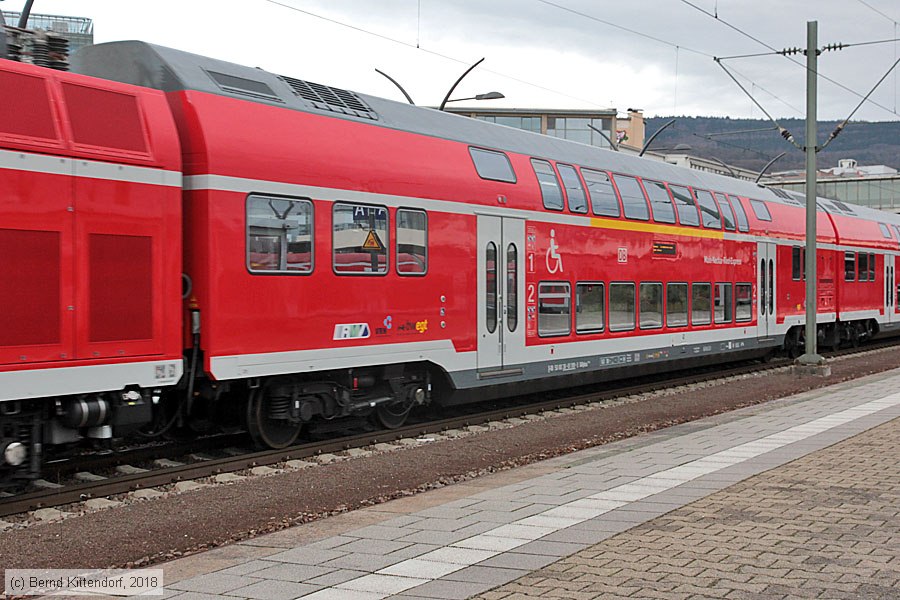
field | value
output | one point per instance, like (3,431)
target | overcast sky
(540,54)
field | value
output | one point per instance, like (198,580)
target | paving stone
(263,470)
(299,464)
(327,458)
(358,452)
(48,514)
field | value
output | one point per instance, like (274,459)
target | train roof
(171,70)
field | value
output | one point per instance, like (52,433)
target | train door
(501,285)
(765,282)
(890,286)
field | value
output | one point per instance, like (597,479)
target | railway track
(168,471)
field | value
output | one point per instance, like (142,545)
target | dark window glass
(360,239)
(412,242)
(723,303)
(651,305)
(574,189)
(279,235)
(490,289)
(871,267)
(709,210)
(553,309)
(660,202)
(589,307)
(727,214)
(676,304)
(600,190)
(492,165)
(633,200)
(761,210)
(512,289)
(849,266)
(621,306)
(798,263)
(863,265)
(743,224)
(701,304)
(743,302)
(550,190)
(684,202)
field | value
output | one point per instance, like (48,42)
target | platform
(797,498)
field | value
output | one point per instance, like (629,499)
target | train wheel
(392,415)
(268,420)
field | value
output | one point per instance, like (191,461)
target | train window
(739,213)
(492,165)
(676,304)
(574,189)
(589,307)
(885,232)
(600,190)
(490,298)
(660,202)
(360,239)
(727,214)
(684,203)
(621,306)
(862,262)
(709,210)
(512,287)
(743,302)
(651,306)
(897,231)
(871,267)
(550,190)
(798,263)
(553,308)
(701,302)
(412,242)
(633,200)
(849,266)
(761,210)
(279,235)
(723,303)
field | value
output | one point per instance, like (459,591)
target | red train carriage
(349,255)
(90,234)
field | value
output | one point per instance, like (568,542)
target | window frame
(687,297)
(397,242)
(568,313)
(589,330)
(678,207)
(633,306)
(798,260)
(758,205)
(743,224)
(574,172)
(612,189)
(709,312)
(749,317)
(725,205)
(662,306)
(653,184)
(616,178)
(698,194)
(885,231)
(473,149)
(387,244)
(862,266)
(849,274)
(312,235)
(559,187)
(728,312)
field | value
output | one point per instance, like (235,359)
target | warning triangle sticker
(372,242)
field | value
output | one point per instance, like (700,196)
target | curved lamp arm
(399,87)
(453,87)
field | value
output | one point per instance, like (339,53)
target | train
(190,245)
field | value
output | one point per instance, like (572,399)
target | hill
(751,143)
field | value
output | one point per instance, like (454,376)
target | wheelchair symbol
(553,260)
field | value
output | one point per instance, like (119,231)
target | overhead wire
(796,62)
(418,46)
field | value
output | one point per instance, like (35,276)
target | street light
(487,96)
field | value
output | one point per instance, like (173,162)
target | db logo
(623,255)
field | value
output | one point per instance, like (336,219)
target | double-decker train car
(191,241)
